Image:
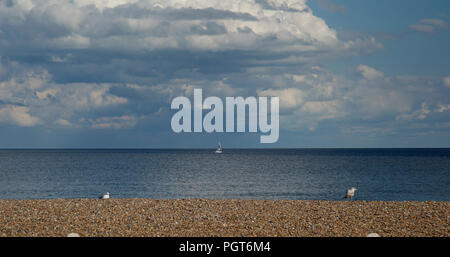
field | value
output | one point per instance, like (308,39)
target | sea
(271,174)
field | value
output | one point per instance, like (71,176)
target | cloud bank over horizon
(114,66)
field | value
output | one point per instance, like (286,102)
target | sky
(102,74)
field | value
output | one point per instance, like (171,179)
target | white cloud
(18,115)
(289,97)
(434,22)
(170,24)
(267,47)
(429,25)
(425,28)
(442,108)
(121,122)
(419,114)
(63,122)
(47,93)
(321,107)
(369,72)
(447,81)
(298,78)
(30,97)
(100,98)
(391,103)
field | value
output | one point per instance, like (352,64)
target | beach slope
(201,217)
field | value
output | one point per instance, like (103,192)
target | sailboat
(219,149)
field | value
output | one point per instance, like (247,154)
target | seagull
(350,193)
(106,196)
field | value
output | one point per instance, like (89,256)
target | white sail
(219,148)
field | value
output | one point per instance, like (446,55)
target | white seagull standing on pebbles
(106,196)
(350,193)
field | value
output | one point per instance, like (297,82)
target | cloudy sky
(102,73)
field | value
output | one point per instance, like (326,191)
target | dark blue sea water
(307,174)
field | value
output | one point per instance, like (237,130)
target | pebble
(224,217)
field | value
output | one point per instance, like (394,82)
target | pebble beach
(235,218)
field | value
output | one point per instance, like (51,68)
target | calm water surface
(308,174)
